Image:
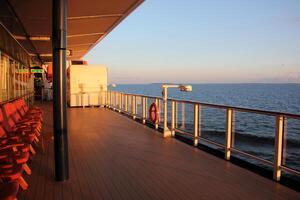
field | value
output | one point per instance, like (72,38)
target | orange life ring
(153,113)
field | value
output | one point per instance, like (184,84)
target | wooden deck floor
(113,157)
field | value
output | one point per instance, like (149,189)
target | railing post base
(167,133)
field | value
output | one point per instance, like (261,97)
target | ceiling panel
(90,25)
(99,7)
(89,21)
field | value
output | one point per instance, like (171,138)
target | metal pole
(278,147)
(120,101)
(176,115)
(133,107)
(107,99)
(59,45)
(229,119)
(110,100)
(173,119)
(182,115)
(126,102)
(116,101)
(156,123)
(144,109)
(196,124)
(166,132)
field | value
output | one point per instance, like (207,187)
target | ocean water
(253,133)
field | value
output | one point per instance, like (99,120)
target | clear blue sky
(204,41)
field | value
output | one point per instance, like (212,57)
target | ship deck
(113,157)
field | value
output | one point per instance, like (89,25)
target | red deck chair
(11,112)
(13,152)
(13,129)
(34,120)
(9,160)
(13,142)
(34,110)
(10,136)
(12,163)
(24,111)
(9,191)
(13,174)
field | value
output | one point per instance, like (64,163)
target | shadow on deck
(113,157)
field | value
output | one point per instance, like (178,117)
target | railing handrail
(140,95)
(221,106)
(243,109)
(13,99)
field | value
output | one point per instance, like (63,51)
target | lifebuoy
(153,113)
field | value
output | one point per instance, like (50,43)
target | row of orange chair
(20,132)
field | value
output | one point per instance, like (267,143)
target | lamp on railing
(183,88)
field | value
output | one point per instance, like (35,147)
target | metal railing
(266,137)
(28,97)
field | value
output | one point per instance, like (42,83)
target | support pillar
(59,45)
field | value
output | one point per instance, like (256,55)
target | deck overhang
(88,23)
(56,31)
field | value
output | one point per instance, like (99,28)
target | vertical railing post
(110,103)
(173,115)
(116,101)
(156,123)
(133,106)
(144,109)
(113,100)
(126,102)
(229,119)
(176,114)
(107,99)
(120,101)
(166,131)
(196,124)
(110,99)
(182,115)
(278,147)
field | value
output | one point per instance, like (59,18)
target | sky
(204,41)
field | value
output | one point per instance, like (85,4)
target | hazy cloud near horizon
(204,42)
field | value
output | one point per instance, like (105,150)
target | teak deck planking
(113,157)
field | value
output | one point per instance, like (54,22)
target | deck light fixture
(183,88)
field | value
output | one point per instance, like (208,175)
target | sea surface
(253,133)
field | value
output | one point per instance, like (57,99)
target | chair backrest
(24,105)
(11,112)
(19,107)
(6,120)
(2,132)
